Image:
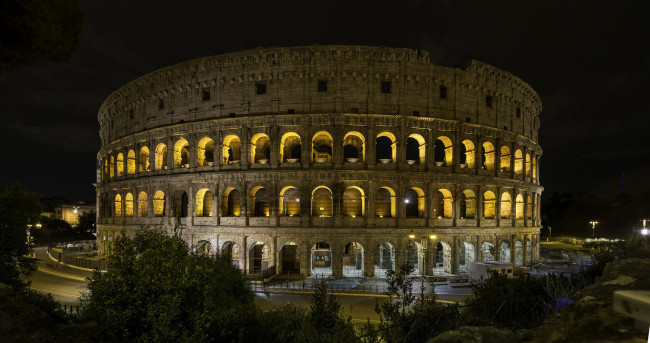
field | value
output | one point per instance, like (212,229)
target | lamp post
(549,232)
(593,228)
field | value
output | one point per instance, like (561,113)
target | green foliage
(52,307)
(33,31)
(403,318)
(154,289)
(18,208)
(86,222)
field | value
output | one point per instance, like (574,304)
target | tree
(18,209)
(33,31)
(87,222)
(155,289)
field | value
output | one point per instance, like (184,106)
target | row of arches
(321,203)
(322,147)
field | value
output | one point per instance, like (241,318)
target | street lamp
(593,228)
(644,231)
(549,232)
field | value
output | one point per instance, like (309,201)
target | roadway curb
(57,273)
(72,266)
(340,294)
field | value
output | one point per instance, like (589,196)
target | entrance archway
(466,256)
(442,259)
(353,260)
(258,258)
(289,261)
(487,250)
(232,249)
(321,259)
(504,249)
(519,253)
(414,257)
(384,259)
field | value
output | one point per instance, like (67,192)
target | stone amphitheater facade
(326,160)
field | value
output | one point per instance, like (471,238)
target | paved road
(65,289)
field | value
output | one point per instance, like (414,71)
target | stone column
(454,255)
(244,255)
(369,261)
(524,250)
(497,207)
(274,156)
(304,256)
(511,239)
(371,146)
(337,260)
(245,155)
(478,253)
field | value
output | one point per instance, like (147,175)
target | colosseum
(339,161)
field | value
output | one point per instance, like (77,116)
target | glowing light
(406,201)
(644,232)
(433,236)
(411,235)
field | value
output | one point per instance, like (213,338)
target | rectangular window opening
(518,112)
(131,114)
(322,85)
(488,101)
(468,120)
(205,94)
(261,88)
(161,104)
(443,92)
(385,87)
(354,110)
(291,111)
(416,113)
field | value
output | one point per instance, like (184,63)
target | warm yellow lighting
(433,236)
(411,235)
(39,226)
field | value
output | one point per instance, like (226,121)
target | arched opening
(504,250)
(528,165)
(534,170)
(519,253)
(205,152)
(289,261)
(467,154)
(353,260)
(414,258)
(159,204)
(354,147)
(160,159)
(519,207)
(182,154)
(505,158)
(385,205)
(414,202)
(120,164)
(442,204)
(518,162)
(142,205)
(386,148)
(528,252)
(415,149)
(231,250)
(487,156)
(489,205)
(231,200)
(260,148)
(290,148)
(442,258)
(289,201)
(505,205)
(467,205)
(130,162)
(128,205)
(321,260)
(118,205)
(105,175)
(529,208)
(321,202)
(466,256)
(443,151)
(258,258)
(322,147)
(353,202)
(144,159)
(384,259)
(203,203)
(487,250)
(231,150)
(112,167)
(182,204)
(203,248)
(259,202)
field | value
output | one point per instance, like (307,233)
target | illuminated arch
(130,162)
(506,205)
(128,205)
(518,162)
(489,205)
(289,201)
(505,158)
(181,153)
(386,147)
(354,147)
(142,205)
(230,206)
(118,205)
(203,203)
(519,207)
(467,205)
(467,154)
(353,259)
(159,204)
(205,152)
(353,202)
(259,202)
(442,204)
(112,167)
(528,165)
(443,150)
(487,156)
(385,203)
(414,201)
(120,164)
(260,148)
(105,174)
(416,148)
(322,147)
(529,208)
(144,159)
(160,158)
(321,202)
(534,168)
(290,147)
(231,151)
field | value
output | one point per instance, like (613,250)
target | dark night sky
(589,61)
